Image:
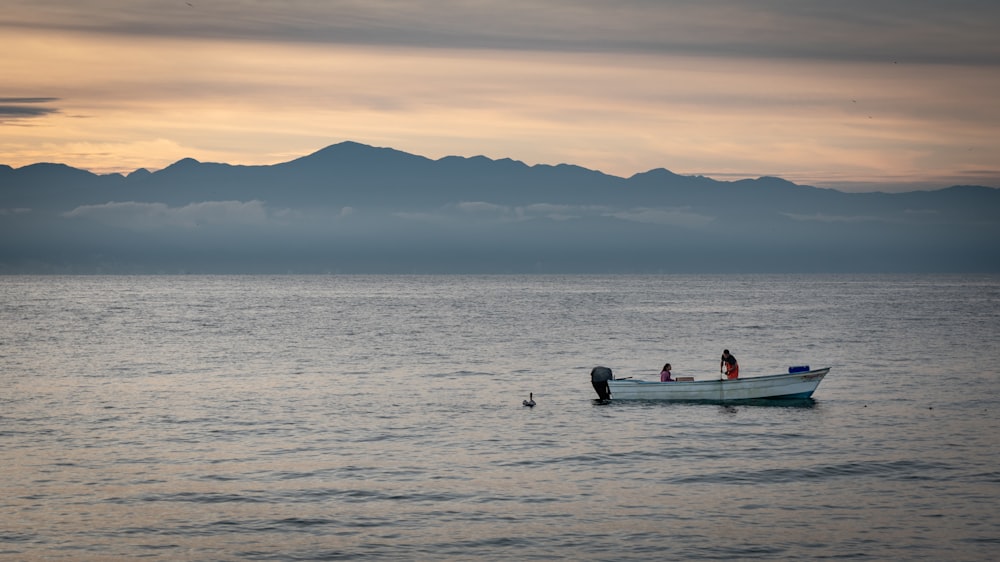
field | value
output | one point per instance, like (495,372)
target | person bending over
(729,366)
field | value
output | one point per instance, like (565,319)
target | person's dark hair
(666,367)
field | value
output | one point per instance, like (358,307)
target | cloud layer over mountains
(352,208)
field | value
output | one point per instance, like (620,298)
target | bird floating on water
(530,402)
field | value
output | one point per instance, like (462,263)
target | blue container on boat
(799,369)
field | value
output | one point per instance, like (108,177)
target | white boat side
(780,386)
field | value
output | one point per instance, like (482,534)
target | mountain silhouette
(356,208)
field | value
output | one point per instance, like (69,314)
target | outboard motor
(599,377)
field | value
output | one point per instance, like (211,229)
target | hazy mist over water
(379,417)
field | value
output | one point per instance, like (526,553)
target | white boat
(799,384)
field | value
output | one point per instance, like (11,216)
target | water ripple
(900,470)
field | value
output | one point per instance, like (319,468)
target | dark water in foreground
(338,418)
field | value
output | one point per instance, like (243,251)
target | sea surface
(380,418)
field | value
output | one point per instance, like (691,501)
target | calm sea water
(355,417)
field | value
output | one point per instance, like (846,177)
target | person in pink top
(665,374)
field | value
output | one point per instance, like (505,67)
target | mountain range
(353,208)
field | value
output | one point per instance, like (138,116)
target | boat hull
(790,386)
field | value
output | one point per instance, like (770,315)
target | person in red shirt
(665,374)
(729,366)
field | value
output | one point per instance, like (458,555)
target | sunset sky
(855,95)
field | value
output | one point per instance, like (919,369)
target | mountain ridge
(354,207)
(353,153)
